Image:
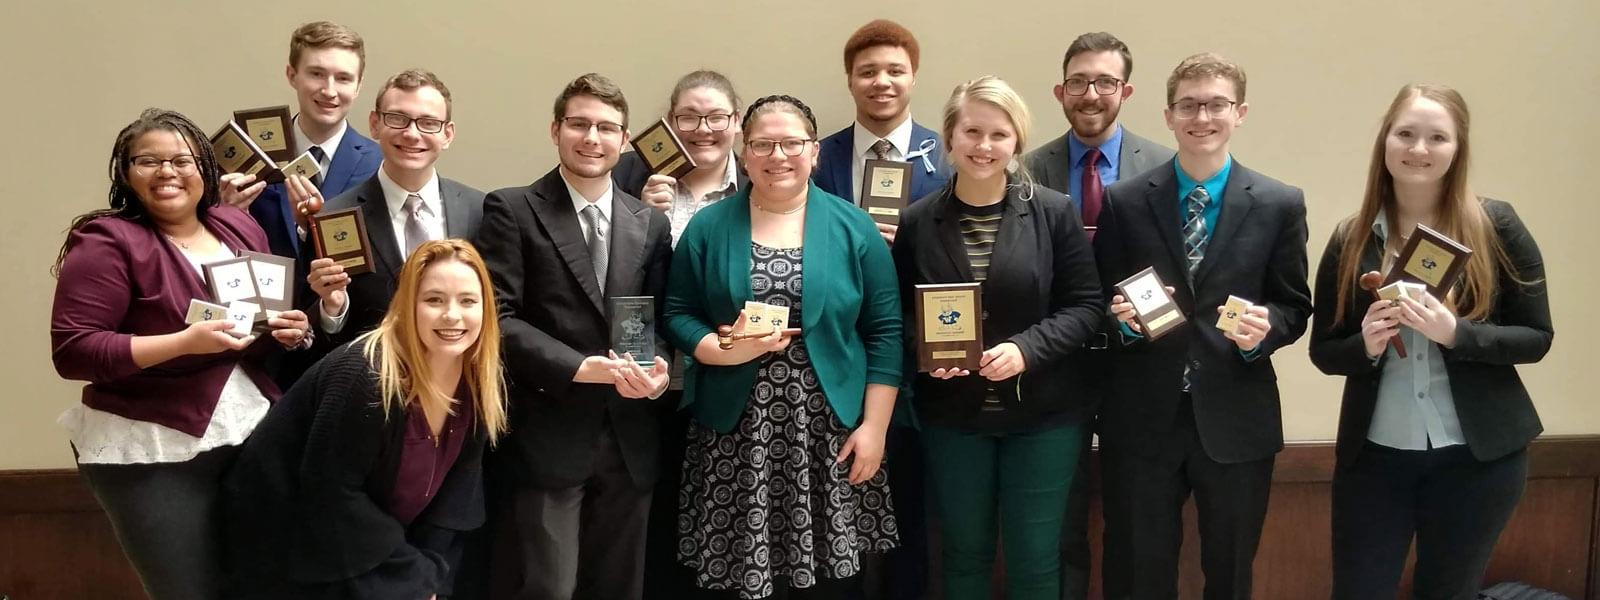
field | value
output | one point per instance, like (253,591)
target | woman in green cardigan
(782,487)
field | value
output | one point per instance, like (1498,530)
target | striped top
(980,225)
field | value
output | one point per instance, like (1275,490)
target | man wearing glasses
(1094,153)
(1196,411)
(405,203)
(572,483)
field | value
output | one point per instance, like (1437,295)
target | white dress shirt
(899,142)
(302,144)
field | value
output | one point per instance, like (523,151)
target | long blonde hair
(396,348)
(995,92)
(1460,213)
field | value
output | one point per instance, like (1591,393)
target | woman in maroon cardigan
(167,404)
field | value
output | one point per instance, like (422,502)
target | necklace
(791,211)
(175,241)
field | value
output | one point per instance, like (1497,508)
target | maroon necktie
(1092,189)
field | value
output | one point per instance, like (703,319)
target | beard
(1090,126)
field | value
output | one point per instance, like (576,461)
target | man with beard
(1095,75)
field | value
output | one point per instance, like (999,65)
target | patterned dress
(767,499)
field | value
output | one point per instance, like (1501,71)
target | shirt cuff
(333,324)
(1251,355)
(1128,334)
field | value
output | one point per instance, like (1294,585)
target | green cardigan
(850,317)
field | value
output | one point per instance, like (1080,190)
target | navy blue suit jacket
(836,152)
(356,160)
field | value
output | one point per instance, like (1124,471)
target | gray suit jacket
(1048,163)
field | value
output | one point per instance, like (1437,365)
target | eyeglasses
(714,122)
(182,164)
(394,120)
(1104,86)
(581,126)
(790,146)
(1189,109)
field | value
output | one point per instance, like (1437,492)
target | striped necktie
(1195,235)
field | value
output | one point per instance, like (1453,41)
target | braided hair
(781,103)
(123,200)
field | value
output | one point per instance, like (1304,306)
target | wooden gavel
(1371,281)
(726,337)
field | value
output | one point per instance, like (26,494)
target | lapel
(1237,200)
(924,181)
(380,229)
(456,217)
(947,227)
(629,221)
(836,167)
(352,151)
(1162,200)
(553,207)
(819,244)
(1011,247)
(1056,164)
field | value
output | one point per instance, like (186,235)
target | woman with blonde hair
(1003,439)
(1431,444)
(362,480)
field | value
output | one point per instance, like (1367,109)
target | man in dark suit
(1196,410)
(1096,151)
(326,63)
(572,483)
(404,204)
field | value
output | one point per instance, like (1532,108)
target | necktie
(322,165)
(1194,227)
(1092,189)
(416,234)
(880,149)
(598,248)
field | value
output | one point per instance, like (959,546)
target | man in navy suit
(880,61)
(326,61)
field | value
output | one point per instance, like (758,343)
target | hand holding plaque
(662,151)
(885,189)
(949,326)
(1153,308)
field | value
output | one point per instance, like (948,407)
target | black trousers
(664,577)
(1076,563)
(1144,497)
(1454,505)
(902,573)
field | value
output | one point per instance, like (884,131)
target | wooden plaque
(274,276)
(271,128)
(1431,259)
(1153,308)
(236,153)
(342,236)
(662,151)
(949,326)
(230,280)
(885,189)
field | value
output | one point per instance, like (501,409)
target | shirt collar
(900,138)
(1380,226)
(579,202)
(302,142)
(1111,149)
(395,196)
(1214,184)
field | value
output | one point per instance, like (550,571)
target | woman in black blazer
(1002,441)
(361,481)
(1431,444)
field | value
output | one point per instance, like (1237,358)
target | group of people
(455,423)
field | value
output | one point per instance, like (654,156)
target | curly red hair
(881,32)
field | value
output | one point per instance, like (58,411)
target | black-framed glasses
(182,164)
(581,126)
(394,120)
(789,146)
(714,121)
(1189,109)
(1105,86)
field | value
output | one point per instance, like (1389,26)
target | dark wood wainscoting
(56,544)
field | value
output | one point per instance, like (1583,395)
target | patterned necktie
(1092,190)
(321,157)
(880,149)
(1194,227)
(598,248)
(416,234)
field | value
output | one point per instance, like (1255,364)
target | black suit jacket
(631,174)
(552,316)
(1042,293)
(1497,416)
(1258,252)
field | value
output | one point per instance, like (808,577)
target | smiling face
(880,82)
(1092,114)
(1205,135)
(167,195)
(449,308)
(705,146)
(326,82)
(984,141)
(779,175)
(410,149)
(589,137)
(1421,144)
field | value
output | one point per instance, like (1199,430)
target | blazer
(552,316)
(836,160)
(369,293)
(122,279)
(356,159)
(1042,293)
(1257,252)
(850,316)
(303,505)
(1497,415)
(1049,163)
(631,173)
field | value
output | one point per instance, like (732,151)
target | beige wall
(1320,76)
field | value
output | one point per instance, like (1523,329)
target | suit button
(985,315)
(1194,365)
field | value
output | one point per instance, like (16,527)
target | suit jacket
(631,173)
(121,279)
(552,316)
(1042,293)
(356,159)
(1049,167)
(1497,415)
(304,502)
(1257,252)
(850,317)
(836,160)
(370,293)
